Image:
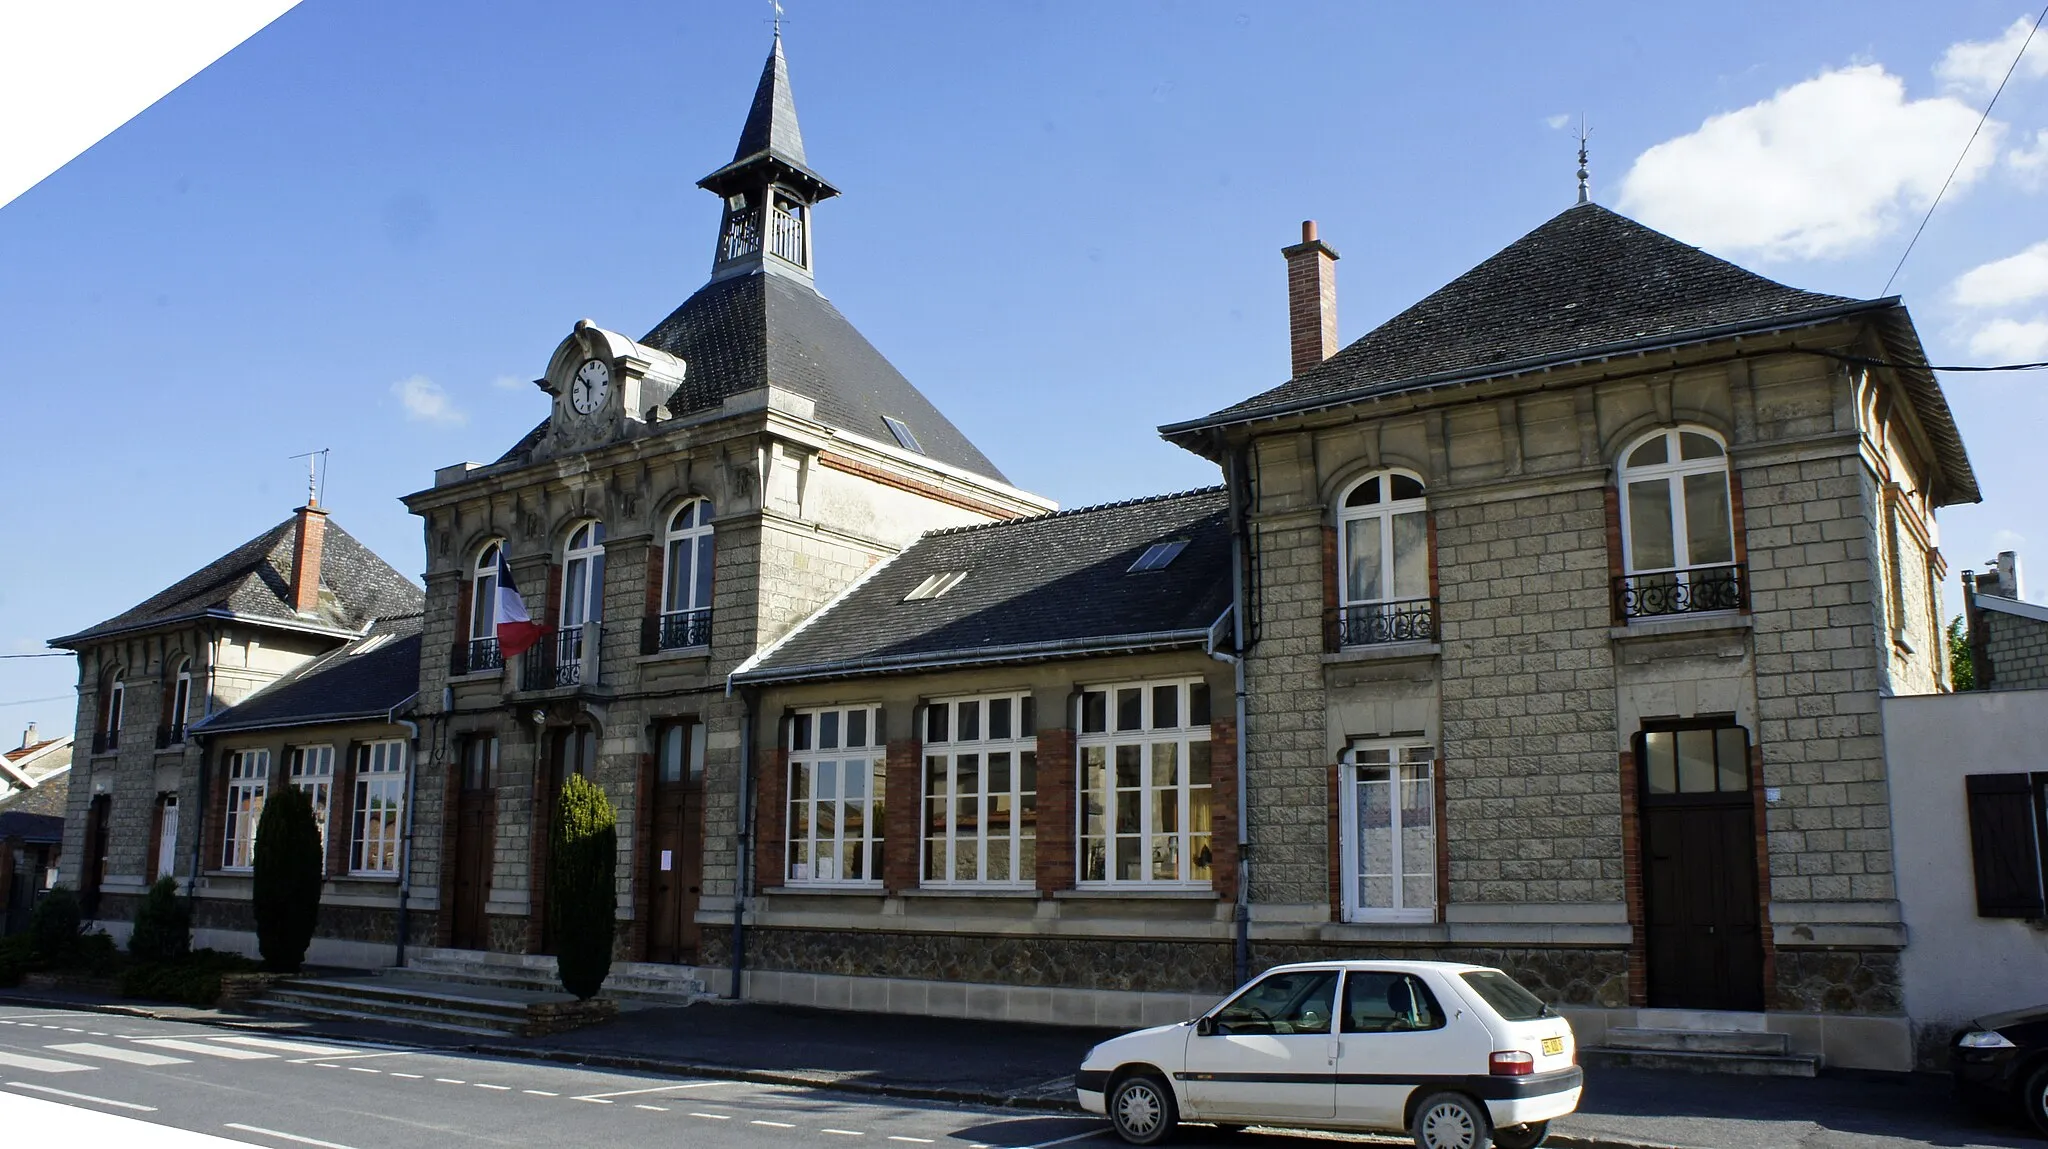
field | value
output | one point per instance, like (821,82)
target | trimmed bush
(163,925)
(286,885)
(194,979)
(582,882)
(55,926)
(14,960)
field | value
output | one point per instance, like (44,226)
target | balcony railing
(676,630)
(1697,591)
(106,741)
(169,736)
(559,659)
(742,236)
(478,655)
(1377,623)
(786,235)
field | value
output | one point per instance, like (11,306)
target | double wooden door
(1702,921)
(475,833)
(675,842)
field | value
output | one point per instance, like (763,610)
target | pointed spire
(771,122)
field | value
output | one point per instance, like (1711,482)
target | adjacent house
(34,781)
(2008,635)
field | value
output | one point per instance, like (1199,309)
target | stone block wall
(1285,775)
(2015,646)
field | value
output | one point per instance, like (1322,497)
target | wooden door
(1704,942)
(94,856)
(675,843)
(475,826)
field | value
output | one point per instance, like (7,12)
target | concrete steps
(643,982)
(432,1004)
(1749,1053)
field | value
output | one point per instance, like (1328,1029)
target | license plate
(1553,1046)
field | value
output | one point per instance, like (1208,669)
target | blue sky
(366,227)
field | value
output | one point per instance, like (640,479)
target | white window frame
(1405,760)
(117,705)
(181,702)
(1186,843)
(582,587)
(376,845)
(483,600)
(167,837)
(808,757)
(1673,472)
(944,750)
(686,591)
(248,783)
(311,769)
(1383,514)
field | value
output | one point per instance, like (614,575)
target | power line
(27,701)
(1981,120)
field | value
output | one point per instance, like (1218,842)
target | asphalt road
(284,1091)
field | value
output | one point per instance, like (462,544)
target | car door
(1394,1034)
(1268,1053)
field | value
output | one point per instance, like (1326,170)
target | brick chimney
(1311,299)
(312,533)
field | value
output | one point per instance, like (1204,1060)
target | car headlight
(1984,1039)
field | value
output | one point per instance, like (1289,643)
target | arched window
(686,578)
(1383,562)
(582,601)
(481,642)
(181,705)
(1678,535)
(117,702)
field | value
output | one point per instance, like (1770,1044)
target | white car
(1460,1056)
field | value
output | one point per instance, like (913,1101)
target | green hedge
(191,980)
(582,887)
(285,887)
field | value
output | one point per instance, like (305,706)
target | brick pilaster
(1223,783)
(1615,565)
(902,820)
(771,819)
(1057,790)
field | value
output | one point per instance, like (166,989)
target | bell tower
(768,188)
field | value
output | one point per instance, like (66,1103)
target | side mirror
(1205,1027)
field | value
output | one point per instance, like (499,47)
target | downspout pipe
(205,766)
(742,871)
(1240,529)
(412,789)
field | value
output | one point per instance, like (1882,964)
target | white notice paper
(667,860)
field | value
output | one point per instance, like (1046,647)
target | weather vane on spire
(1583,133)
(778,17)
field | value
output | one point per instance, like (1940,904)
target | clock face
(591,387)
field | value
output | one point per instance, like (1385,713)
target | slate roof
(253,582)
(1587,282)
(1048,586)
(368,678)
(37,815)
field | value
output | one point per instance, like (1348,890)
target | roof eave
(951,660)
(95,634)
(1930,405)
(207,725)
(726,178)
(1187,434)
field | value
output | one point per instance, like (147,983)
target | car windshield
(1506,996)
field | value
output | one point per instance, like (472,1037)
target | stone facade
(2010,639)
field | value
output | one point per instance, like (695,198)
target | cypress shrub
(163,925)
(286,884)
(582,867)
(55,927)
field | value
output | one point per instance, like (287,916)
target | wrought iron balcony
(1697,591)
(1377,623)
(676,630)
(558,660)
(476,656)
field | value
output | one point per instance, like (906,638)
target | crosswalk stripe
(287,1046)
(200,1047)
(113,1053)
(41,1064)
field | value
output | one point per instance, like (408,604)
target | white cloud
(2029,163)
(510,383)
(1822,168)
(1559,120)
(1977,66)
(2011,340)
(2014,279)
(2007,539)
(425,402)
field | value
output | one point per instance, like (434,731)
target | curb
(1559,1140)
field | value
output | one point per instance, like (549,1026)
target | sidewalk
(1008,1064)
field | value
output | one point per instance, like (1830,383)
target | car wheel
(1451,1121)
(2036,1099)
(1522,1136)
(1141,1109)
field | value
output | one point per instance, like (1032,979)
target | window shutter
(1332,627)
(465,595)
(2004,847)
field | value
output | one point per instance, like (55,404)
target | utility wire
(1981,120)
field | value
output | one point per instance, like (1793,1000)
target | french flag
(516,629)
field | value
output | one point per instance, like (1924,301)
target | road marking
(276,1046)
(844,1132)
(41,1064)
(327,1067)
(409,1076)
(535,1092)
(361,1069)
(282,1135)
(592,1100)
(205,1049)
(450,1081)
(713,1116)
(912,1140)
(69,1029)
(113,1053)
(499,1088)
(82,1097)
(656,1108)
(655,1089)
(773,1124)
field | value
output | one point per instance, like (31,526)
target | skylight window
(1158,555)
(904,438)
(370,644)
(936,585)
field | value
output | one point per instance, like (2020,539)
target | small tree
(286,884)
(163,925)
(55,926)
(582,870)
(1962,669)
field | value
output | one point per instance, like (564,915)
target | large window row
(376,807)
